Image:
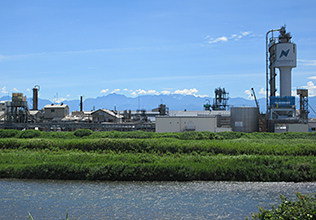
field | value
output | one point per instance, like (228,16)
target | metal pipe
(267,69)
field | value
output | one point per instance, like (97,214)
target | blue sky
(94,48)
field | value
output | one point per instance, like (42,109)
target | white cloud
(212,40)
(307,62)
(59,100)
(153,92)
(186,91)
(28,90)
(165,92)
(15,90)
(141,92)
(262,91)
(193,92)
(201,96)
(249,93)
(311,89)
(312,77)
(138,92)
(128,90)
(67,95)
(225,39)
(4,90)
(245,33)
(115,91)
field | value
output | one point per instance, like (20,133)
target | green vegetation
(205,135)
(83,132)
(141,156)
(303,208)
(29,134)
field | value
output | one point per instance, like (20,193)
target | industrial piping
(267,70)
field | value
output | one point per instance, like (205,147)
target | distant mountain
(41,103)
(149,102)
(5,98)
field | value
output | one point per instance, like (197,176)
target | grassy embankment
(158,156)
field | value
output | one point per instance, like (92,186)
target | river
(51,199)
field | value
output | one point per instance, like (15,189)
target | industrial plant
(281,113)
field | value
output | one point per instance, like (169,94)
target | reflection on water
(47,199)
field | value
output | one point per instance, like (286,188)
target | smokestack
(81,104)
(35,97)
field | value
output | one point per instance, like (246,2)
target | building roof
(109,112)
(198,113)
(34,112)
(184,116)
(56,106)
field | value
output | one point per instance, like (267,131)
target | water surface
(49,199)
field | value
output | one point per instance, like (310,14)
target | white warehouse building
(186,123)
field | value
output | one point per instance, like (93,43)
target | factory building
(182,121)
(105,115)
(185,123)
(55,112)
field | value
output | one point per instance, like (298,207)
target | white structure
(199,113)
(282,56)
(285,60)
(185,123)
(78,116)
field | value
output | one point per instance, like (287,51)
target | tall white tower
(285,60)
(281,108)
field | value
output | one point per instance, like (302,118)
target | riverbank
(141,156)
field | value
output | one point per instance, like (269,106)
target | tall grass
(149,135)
(140,167)
(152,156)
(295,147)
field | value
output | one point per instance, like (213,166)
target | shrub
(8,133)
(30,134)
(194,135)
(214,136)
(83,132)
(227,135)
(303,208)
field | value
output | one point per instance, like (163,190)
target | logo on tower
(284,53)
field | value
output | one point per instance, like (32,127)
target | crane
(260,118)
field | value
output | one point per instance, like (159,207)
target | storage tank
(244,119)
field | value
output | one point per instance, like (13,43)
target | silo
(244,119)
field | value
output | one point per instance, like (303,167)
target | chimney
(81,104)
(35,97)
